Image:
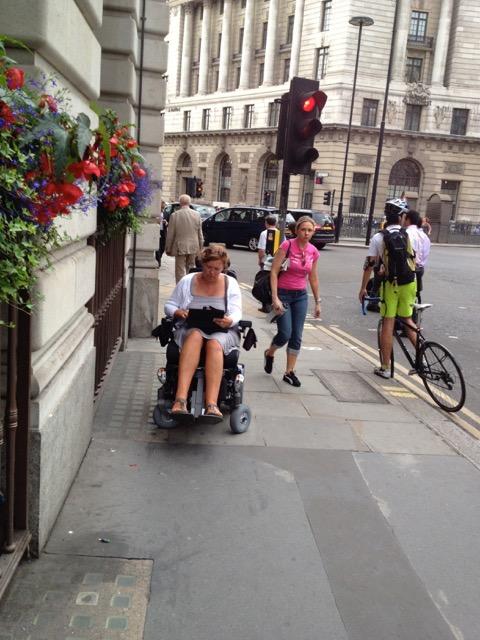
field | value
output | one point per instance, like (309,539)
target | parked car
(239,225)
(324,226)
(205,210)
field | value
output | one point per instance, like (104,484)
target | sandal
(213,413)
(183,410)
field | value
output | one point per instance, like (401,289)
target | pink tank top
(300,267)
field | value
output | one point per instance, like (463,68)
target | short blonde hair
(302,220)
(215,252)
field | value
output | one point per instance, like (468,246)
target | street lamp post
(382,128)
(360,22)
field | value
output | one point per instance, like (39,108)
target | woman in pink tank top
(289,295)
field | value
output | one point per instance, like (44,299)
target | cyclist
(397,299)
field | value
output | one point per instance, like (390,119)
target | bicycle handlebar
(369,299)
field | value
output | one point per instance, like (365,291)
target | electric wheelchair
(230,397)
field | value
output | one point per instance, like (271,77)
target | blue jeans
(290,325)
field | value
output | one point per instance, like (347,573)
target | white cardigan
(182,297)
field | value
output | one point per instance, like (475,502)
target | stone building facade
(231,59)
(93,48)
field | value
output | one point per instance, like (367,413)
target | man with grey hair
(184,237)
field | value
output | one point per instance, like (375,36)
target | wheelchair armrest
(164,331)
(245,324)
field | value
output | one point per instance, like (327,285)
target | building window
(418,26)
(237,77)
(359,195)
(216,78)
(224,179)
(187,116)
(248,116)
(286,69)
(220,7)
(200,12)
(413,70)
(322,61)
(459,122)
(205,119)
(270,182)
(273,113)
(412,117)
(244,4)
(404,176)
(307,193)
(199,48)
(227,117)
(326,15)
(261,69)
(219,44)
(195,81)
(240,39)
(264,35)
(369,112)
(290,21)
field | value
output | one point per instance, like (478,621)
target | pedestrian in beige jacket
(184,237)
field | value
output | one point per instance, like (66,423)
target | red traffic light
(309,104)
(311,101)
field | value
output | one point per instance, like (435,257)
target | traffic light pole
(282,209)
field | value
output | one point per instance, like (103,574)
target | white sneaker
(383,373)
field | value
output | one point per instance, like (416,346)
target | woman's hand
(181,314)
(277,305)
(224,322)
(317,310)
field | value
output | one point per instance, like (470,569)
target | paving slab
(376,587)
(61,596)
(400,437)
(233,551)
(311,386)
(431,503)
(356,410)
(276,404)
(310,433)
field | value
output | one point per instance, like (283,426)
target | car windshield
(322,218)
(204,210)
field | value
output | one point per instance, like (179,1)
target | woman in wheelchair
(209,288)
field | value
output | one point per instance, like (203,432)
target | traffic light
(199,188)
(305,104)
(327,197)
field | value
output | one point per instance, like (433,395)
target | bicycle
(433,362)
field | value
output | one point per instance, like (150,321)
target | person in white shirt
(420,244)
(270,223)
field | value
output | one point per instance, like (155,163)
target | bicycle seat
(422,307)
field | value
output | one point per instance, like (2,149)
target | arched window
(186,161)
(270,181)
(184,171)
(225,179)
(404,176)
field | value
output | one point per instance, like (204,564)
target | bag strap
(225,293)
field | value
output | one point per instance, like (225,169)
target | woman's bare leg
(189,359)
(213,371)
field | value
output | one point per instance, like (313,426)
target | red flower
(48,101)
(127,187)
(131,143)
(123,201)
(70,192)
(6,114)
(46,164)
(138,171)
(15,78)
(84,169)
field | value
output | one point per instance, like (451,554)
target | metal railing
(420,41)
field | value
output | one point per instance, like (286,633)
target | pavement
(348,511)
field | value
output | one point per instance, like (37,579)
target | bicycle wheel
(392,361)
(442,377)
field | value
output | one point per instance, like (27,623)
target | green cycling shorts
(397,299)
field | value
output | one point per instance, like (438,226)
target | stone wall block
(155,55)
(61,34)
(78,226)
(130,6)
(118,76)
(58,446)
(92,10)
(64,289)
(119,35)
(124,109)
(154,91)
(152,129)
(157,17)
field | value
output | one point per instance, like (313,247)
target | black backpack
(398,256)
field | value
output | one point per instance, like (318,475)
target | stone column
(297,38)
(205,49)
(247,46)
(186,69)
(441,44)
(173,52)
(225,46)
(271,46)
(401,39)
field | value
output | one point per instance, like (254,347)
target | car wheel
(229,245)
(321,245)
(253,244)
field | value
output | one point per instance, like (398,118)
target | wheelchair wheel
(163,419)
(240,419)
